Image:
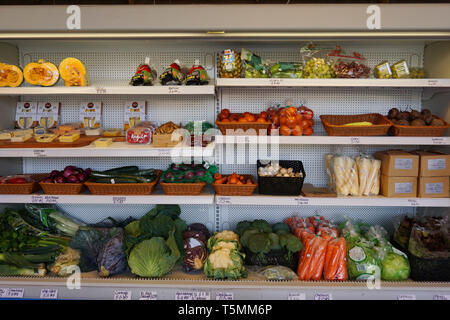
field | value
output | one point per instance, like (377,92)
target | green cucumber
(116,180)
(122,170)
(144,172)
(96,175)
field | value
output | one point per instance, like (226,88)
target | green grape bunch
(318,68)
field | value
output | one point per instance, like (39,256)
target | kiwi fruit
(404,115)
(392,114)
(426,112)
(414,114)
(428,119)
(437,123)
(418,122)
(403,122)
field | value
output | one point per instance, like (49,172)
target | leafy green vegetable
(242,227)
(154,257)
(281,228)
(293,244)
(261,226)
(225,264)
(259,243)
(274,241)
(245,237)
(133,229)
(394,267)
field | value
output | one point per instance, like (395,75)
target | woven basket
(419,131)
(236,189)
(123,188)
(334,125)
(61,188)
(23,188)
(241,128)
(183,189)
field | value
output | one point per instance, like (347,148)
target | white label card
(438,140)
(119,200)
(323,296)
(406,297)
(224,200)
(403,164)
(184,295)
(202,295)
(51,199)
(297,296)
(436,164)
(276,82)
(441,297)
(434,188)
(355,140)
(49,294)
(149,295)
(301,201)
(37,199)
(39,153)
(122,295)
(224,296)
(11,292)
(414,202)
(174,90)
(164,152)
(432,82)
(403,187)
(100,90)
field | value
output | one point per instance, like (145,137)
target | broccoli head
(259,243)
(261,226)
(281,228)
(242,226)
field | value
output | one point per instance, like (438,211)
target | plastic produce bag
(369,171)
(315,62)
(348,66)
(312,259)
(278,273)
(336,260)
(345,176)
(253,65)
(286,70)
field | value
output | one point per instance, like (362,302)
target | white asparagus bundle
(369,176)
(374,178)
(328,166)
(345,175)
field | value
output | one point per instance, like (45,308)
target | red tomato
(308,131)
(304,124)
(297,131)
(246,114)
(261,120)
(282,112)
(299,118)
(234,117)
(283,120)
(291,122)
(222,116)
(250,118)
(225,112)
(311,122)
(308,114)
(263,115)
(291,111)
(271,111)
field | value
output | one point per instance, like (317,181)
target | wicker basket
(419,131)
(61,188)
(334,125)
(23,188)
(128,189)
(236,189)
(164,141)
(241,128)
(183,189)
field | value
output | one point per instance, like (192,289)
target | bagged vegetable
(197,75)
(286,70)
(430,237)
(316,64)
(172,75)
(369,171)
(312,259)
(278,273)
(336,260)
(144,76)
(253,66)
(348,66)
(345,176)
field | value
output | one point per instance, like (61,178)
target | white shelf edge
(111,90)
(272,82)
(117,149)
(329,140)
(379,201)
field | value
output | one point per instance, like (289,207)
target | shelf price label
(414,202)
(301,201)
(122,295)
(276,82)
(406,297)
(224,296)
(224,200)
(49,294)
(202,295)
(296,296)
(37,199)
(441,297)
(148,295)
(11,292)
(183,295)
(438,141)
(355,140)
(100,90)
(51,199)
(164,152)
(174,90)
(39,153)
(119,200)
(323,296)
(432,82)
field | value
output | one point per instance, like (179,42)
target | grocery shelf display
(124,158)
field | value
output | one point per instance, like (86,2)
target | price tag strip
(297,296)
(119,200)
(49,294)
(11,292)
(122,295)
(323,296)
(149,295)
(39,153)
(192,295)
(224,200)
(406,297)
(224,296)
(174,90)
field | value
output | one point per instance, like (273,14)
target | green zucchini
(122,170)
(144,172)
(116,180)
(97,174)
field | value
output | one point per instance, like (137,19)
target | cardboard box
(91,114)
(433,164)
(26,115)
(398,163)
(399,187)
(433,187)
(134,112)
(48,114)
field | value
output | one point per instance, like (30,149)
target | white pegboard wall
(231,215)
(95,213)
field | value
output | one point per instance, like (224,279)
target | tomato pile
(226,116)
(291,121)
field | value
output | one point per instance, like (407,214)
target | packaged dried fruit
(383,70)
(400,70)
(230,64)
(348,66)
(172,75)
(144,76)
(197,75)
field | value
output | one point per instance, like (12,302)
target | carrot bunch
(234,178)
(324,253)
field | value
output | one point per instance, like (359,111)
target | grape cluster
(318,68)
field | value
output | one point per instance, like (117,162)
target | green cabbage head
(394,267)
(154,257)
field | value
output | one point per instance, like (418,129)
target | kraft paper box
(399,187)
(398,163)
(433,187)
(433,164)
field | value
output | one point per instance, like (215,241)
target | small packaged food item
(26,115)
(315,62)
(5,135)
(172,75)
(45,138)
(253,65)
(383,70)
(21,136)
(163,135)
(286,70)
(48,114)
(400,70)
(94,132)
(230,64)
(144,76)
(91,114)
(113,132)
(348,66)
(103,142)
(68,127)
(139,135)
(197,75)
(69,137)
(278,273)
(39,130)
(135,112)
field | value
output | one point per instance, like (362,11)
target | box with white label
(48,114)
(134,112)
(398,163)
(433,187)
(433,164)
(398,187)
(91,114)
(26,115)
